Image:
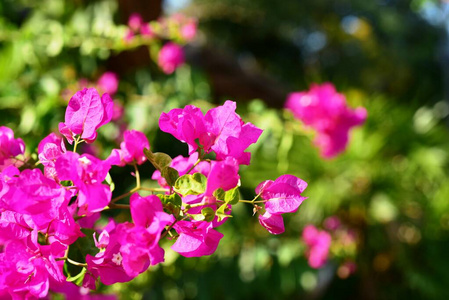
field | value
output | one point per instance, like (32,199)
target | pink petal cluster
(108,83)
(181,25)
(32,206)
(196,238)
(86,112)
(221,130)
(131,149)
(9,147)
(130,248)
(282,196)
(87,174)
(318,242)
(326,111)
(49,149)
(138,26)
(171,56)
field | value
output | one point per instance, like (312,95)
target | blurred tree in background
(390,188)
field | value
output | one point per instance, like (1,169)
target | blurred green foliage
(391,186)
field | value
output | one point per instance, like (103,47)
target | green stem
(118,206)
(71,261)
(194,165)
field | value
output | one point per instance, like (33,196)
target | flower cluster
(49,236)
(9,148)
(176,29)
(326,111)
(336,240)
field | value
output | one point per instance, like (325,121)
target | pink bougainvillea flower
(273,223)
(26,268)
(220,130)
(108,83)
(36,195)
(131,149)
(283,195)
(87,174)
(106,264)
(49,149)
(171,56)
(326,111)
(196,238)
(188,31)
(332,223)
(146,31)
(139,240)
(9,147)
(135,21)
(319,242)
(223,174)
(85,113)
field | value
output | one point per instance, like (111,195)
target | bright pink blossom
(108,83)
(49,149)
(282,196)
(196,238)
(9,147)
(273,223)
(171,56)
(319,242)
(146,31)
(221,130)
(135,21)
(326,111)
(188,31)
(26,268)
(131,149)
(85,113)
(139,240)
(36,195)
(87,174)
(107,264)
(223,174)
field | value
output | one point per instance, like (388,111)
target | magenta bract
(131,149)
(87,174)
(220,130)
(85,113)
(9,147)
(171,56)
(326,111)
(319,242)
(196,239)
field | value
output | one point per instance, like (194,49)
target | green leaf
(170,175)
(78,279)
(220,194)
(175,199)
(208,213)
(232,196)
(191,184)
(159,160)
(172,203)
(198,217)
(221,212)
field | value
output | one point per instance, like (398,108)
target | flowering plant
(49,236)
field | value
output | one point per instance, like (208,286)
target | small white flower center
(84,160)
(117,258)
